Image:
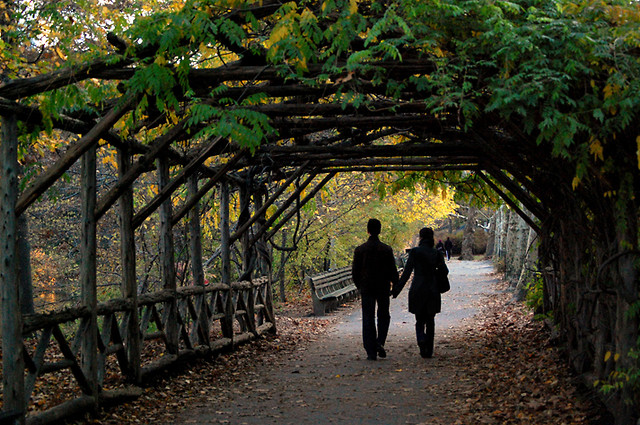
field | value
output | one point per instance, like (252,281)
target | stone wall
(513,243)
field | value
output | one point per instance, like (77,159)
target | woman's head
(426,235)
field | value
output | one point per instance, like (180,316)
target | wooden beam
(53,173)
(377,109)
(170,313)
(520,194)
(25,87)
(303,202)
(129,287)
(227,321)
(220,173)
(142,165)
(248,259)
(237,71)
(117,65)
(403,168)
(88,246)
(260,213)
(32,116)
(283,208)
(404,149)
(402,161)
(13,388)
(200,322)
(289,126)
(511,204)
(177,181)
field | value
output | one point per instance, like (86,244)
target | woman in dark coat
(424,296)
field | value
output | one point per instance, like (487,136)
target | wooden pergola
(314,142)
(314,139)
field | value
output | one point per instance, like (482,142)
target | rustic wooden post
(282,208)
(260,213)
(129,286)
(291,213)
(88,271)
(195,245)
(264,256)
(227,324)
(12,345)
(167,261)
(265,259)
(245,214)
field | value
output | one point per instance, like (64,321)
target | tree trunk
(248,259)
(12,344)
(492,236)
(467,237)
(501,231)
(527,271)
(283,259)
(516,247)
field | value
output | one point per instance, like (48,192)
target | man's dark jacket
(374,268)
(424,297)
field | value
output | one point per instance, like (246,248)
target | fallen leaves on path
(509,371)
(208,381)
(504,370)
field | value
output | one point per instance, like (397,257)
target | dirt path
(329,380)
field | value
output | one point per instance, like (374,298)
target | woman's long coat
(424,296)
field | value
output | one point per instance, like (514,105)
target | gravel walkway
(329,380)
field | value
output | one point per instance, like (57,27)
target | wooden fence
(102,351)
(208,319)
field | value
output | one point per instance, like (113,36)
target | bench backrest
(328,282)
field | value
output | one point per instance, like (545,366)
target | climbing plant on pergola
(538,100)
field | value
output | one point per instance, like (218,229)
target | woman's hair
(426,235)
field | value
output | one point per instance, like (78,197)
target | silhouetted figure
(448,246)
(424,296)
(374,270)
(440,246)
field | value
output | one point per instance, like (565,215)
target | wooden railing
(207,319)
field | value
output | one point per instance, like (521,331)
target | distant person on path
(374,270)
(440,246)
(448,246)
(424,296)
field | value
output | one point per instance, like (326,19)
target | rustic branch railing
(198,326)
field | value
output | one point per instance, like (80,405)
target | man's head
(374,226)
(426,234)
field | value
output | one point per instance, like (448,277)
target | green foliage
(244,126)
(622,378)
(535,295)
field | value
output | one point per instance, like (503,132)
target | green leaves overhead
(565,73)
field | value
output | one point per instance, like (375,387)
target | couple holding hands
(376,276)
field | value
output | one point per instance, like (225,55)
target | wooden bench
(330,289)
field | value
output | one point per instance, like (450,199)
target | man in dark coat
(374,270)
(424,297)
(448,246)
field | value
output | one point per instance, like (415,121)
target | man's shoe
(423,349)
(381,353)
(372,358)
